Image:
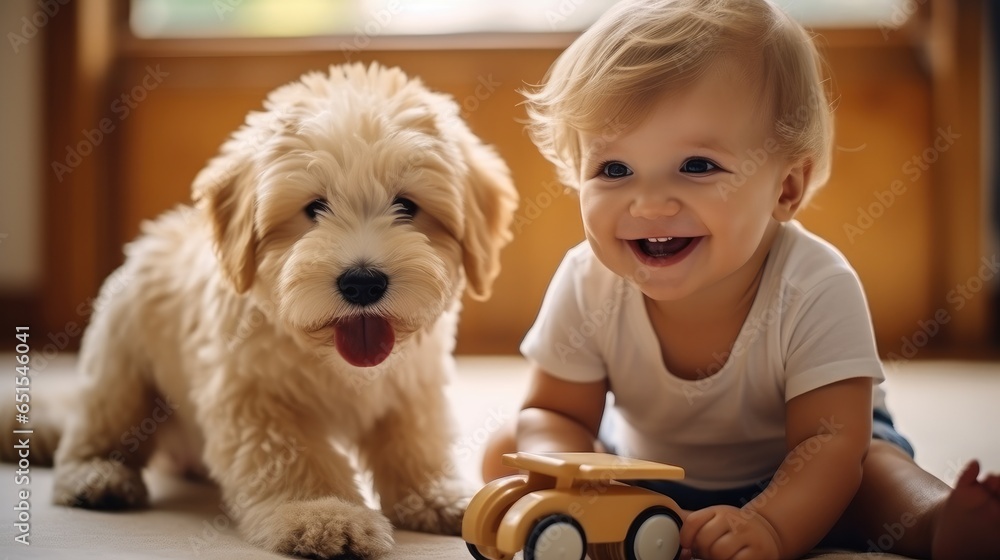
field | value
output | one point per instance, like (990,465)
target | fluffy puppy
(303,311)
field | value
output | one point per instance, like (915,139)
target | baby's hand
(726,532)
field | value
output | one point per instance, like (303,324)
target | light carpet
(949,410)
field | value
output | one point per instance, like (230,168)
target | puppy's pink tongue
(364,341)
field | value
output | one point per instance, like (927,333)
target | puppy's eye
(315,207)
(405,207)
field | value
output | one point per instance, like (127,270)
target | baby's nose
(652,206)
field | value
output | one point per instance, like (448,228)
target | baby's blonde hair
(605,82)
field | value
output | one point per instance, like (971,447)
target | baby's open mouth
(659,247)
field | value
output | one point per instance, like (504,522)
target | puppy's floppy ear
(223,190)
(490,201)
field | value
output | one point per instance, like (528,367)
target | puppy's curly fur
(303,310)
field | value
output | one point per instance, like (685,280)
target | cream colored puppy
(303,310)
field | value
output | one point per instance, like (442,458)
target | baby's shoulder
(803,260)
(591,280)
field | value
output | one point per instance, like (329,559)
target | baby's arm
(560,415)
(828,431)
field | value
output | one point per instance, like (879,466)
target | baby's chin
(662,292)
(667,284)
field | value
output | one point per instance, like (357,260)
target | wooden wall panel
(883,110)
(966,258)
(79,54)
(887,114)
(877,207)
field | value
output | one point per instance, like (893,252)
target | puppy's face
(355,209)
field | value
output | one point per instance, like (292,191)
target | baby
(700,324)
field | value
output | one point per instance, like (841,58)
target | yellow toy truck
(568,505)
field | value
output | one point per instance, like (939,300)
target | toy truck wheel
(654,535)
(556,537)
(474,551)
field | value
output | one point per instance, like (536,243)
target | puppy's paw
(99,484)
(324,528)
(440,513)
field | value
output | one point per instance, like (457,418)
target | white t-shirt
(808,326)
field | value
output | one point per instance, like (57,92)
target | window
(300,18)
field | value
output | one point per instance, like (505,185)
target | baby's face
(684,200)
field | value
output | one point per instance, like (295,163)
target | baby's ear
(793,188)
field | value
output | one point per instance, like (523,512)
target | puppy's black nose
(362,286)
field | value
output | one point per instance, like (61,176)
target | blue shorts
(693,498)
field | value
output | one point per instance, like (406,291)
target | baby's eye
(698,166)
(615,170)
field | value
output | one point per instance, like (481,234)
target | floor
(949,410)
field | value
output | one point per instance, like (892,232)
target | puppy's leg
(106,444)
(409,454)
(283,482)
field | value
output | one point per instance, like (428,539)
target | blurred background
(110,108)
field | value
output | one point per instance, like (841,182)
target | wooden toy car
(570,504)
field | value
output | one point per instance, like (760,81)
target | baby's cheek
(595,212)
